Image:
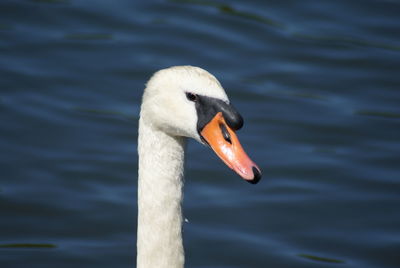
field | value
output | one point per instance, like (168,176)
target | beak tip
(257,176)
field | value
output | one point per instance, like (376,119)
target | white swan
(179,102)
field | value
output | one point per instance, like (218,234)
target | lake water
(318,83)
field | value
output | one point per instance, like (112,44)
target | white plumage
(167,118)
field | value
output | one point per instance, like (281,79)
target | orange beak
(226,145)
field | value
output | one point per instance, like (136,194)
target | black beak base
(208,107)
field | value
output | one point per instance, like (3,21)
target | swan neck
(159,237)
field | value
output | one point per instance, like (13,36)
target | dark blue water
(316,81)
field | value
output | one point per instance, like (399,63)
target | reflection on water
(89,36)
(227,9)
(27,246)
(378,113)
(317,84)
(320,259)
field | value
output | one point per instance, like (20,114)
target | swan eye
(191,96)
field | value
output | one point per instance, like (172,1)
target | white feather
(166,119)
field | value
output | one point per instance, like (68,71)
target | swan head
(187,101)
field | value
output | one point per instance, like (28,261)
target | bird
(178,103)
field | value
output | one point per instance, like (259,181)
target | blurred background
(316,81)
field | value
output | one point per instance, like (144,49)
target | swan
(179,102)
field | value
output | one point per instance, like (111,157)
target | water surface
(317,83)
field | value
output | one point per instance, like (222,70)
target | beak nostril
(225,133)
